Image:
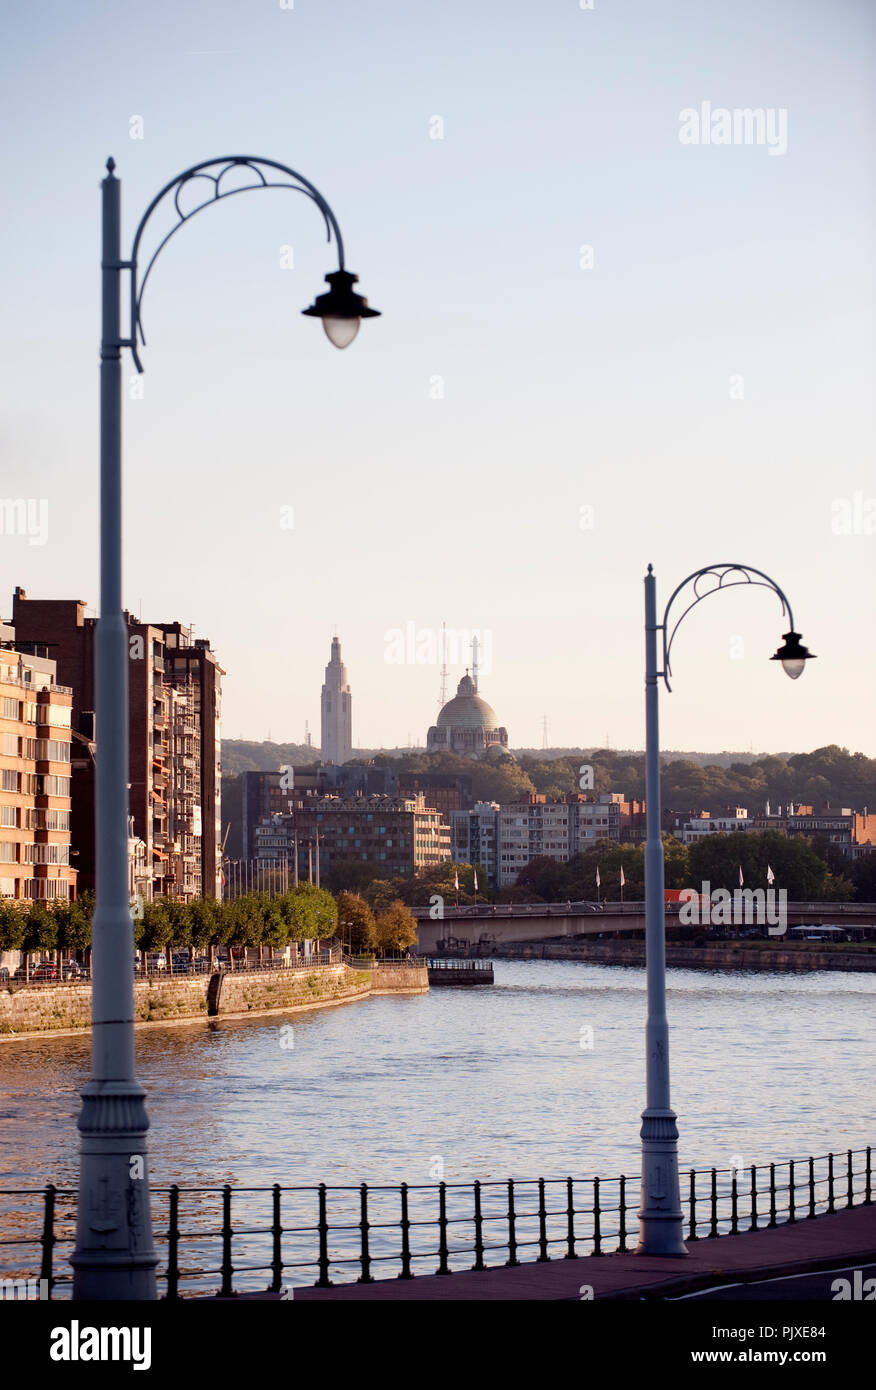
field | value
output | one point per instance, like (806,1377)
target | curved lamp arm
(213,171)
(721,577)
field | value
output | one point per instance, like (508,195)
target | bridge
(488,923)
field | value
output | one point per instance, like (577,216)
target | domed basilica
(468,726)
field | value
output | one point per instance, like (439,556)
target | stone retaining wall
(694,957)
(26,1009)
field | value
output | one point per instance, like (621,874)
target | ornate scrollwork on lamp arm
(722,577)
(213,171)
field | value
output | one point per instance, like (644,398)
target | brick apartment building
(174,700)
(35,777)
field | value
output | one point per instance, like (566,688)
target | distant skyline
(608,339)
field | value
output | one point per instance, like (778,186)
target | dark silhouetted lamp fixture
(342,309)
(793,655)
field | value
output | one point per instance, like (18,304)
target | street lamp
(660,1215)
(114,1256)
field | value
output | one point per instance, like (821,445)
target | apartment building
(474,838)
(174,769)
(35,777)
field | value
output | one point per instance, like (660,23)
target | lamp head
(341,309)
(793,655)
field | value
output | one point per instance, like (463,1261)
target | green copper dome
(467,710)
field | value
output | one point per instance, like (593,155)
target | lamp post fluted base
(661,1220)
(115,1257)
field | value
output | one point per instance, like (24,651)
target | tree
(396,928)
(13,927)
(356,924)
(805,877)
(384,891)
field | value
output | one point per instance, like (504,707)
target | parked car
(44,970)
(72,970)
(4,974)
(156,960)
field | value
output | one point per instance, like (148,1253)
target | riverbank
(726,955)
(29,1011)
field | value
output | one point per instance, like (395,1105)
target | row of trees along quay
(254,920)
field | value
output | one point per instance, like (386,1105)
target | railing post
(597,1212)
(753,1226)
(173,1244)
(479,1229)
(47,1240)
(830,1202)
(811,1189)
(850,1199)
(365,1276)
(772,1220)
(792,1196)
(277,1237)
(405,1235)
(227,1289)
(323,1282)
(443,1267)
(692,1199)
(713,1224)
(512,1227)
(542,1225)
(570,1218)
(734,1203)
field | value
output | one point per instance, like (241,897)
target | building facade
(400,835)
(174,751)
(474,838)
(35,776)
(336,710)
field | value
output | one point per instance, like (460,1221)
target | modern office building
(336,710)
(174,768)
(35,776)
(400,835)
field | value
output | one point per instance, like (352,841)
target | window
(11,780)
(50,854)
(11,708)
(9,815)
(8,852)
(11,745)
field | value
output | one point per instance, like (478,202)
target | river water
(462,1084)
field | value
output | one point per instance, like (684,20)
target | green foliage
(797,867)
(41,929)
(12,927)
(356,925)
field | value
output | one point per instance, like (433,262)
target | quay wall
(694,957)
(27,1009)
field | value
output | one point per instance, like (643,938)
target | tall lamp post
(114,1256)
(660,1216)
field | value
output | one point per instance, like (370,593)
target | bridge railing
(230,1240)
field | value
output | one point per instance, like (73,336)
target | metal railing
(229,1240)
(475,963)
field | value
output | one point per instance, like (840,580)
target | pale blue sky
(563,387)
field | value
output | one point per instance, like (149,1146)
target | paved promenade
(827,1241)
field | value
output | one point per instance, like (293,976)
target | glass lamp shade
(342,309)
(794,667)
(341,332)
(793,655)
